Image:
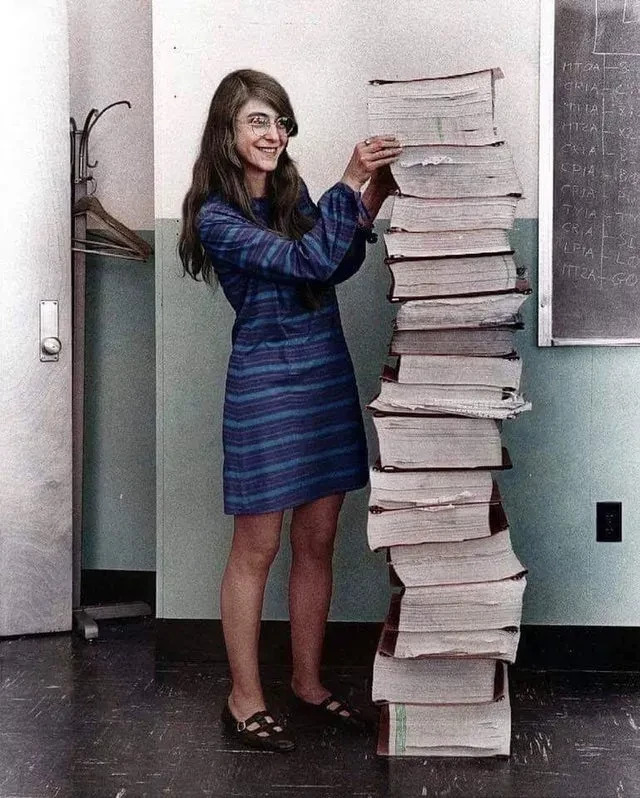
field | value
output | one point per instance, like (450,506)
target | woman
(293,435)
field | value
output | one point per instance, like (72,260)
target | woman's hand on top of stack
(369,159)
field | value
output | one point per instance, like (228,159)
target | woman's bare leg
(256,540)
(313,531)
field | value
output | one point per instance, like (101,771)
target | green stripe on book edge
(401,728)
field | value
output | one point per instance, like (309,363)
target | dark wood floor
(116,718)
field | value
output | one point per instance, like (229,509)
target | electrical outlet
(609,522)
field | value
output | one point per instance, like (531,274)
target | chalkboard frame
(545,172)
(545,192)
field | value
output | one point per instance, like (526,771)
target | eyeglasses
(262,124)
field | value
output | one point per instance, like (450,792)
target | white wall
(110,60)
(324,53)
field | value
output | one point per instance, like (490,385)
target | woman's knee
(313,542)
(313,550)
(313,528)
(256,540)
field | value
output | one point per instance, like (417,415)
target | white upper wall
(111,59)
(324,53)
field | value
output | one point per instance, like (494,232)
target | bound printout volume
(485,341)
(426,278)
(452,376)
(464,516)
(457,109)
(466,386)
(456,173)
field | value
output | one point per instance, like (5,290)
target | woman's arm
(354,256)
(381,186)
(234,242)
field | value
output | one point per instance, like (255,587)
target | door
(35,385)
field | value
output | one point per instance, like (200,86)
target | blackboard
(590,206)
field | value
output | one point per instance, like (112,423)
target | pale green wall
(193,336)
(578,445)
(119,420)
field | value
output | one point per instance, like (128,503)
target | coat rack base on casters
(85,618)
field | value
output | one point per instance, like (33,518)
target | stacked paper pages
(453,375)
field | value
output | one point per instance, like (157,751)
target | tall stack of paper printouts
(453,374)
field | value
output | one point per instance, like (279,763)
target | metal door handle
(50,344)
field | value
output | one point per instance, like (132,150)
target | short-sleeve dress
(292,423)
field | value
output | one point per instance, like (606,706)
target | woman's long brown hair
(219,169)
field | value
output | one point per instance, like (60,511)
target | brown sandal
(258,731)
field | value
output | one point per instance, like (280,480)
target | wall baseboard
(593,648)
(353,644)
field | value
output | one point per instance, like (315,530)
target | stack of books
(452,376)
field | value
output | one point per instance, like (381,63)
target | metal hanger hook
(89,123)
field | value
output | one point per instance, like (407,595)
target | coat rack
(115,240)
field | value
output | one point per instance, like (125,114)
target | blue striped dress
(292,424)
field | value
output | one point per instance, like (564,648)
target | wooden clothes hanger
(118,241)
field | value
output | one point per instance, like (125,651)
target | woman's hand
(384,182)
(381,185)
(369,158)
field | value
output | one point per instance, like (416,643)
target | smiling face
(259,152)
